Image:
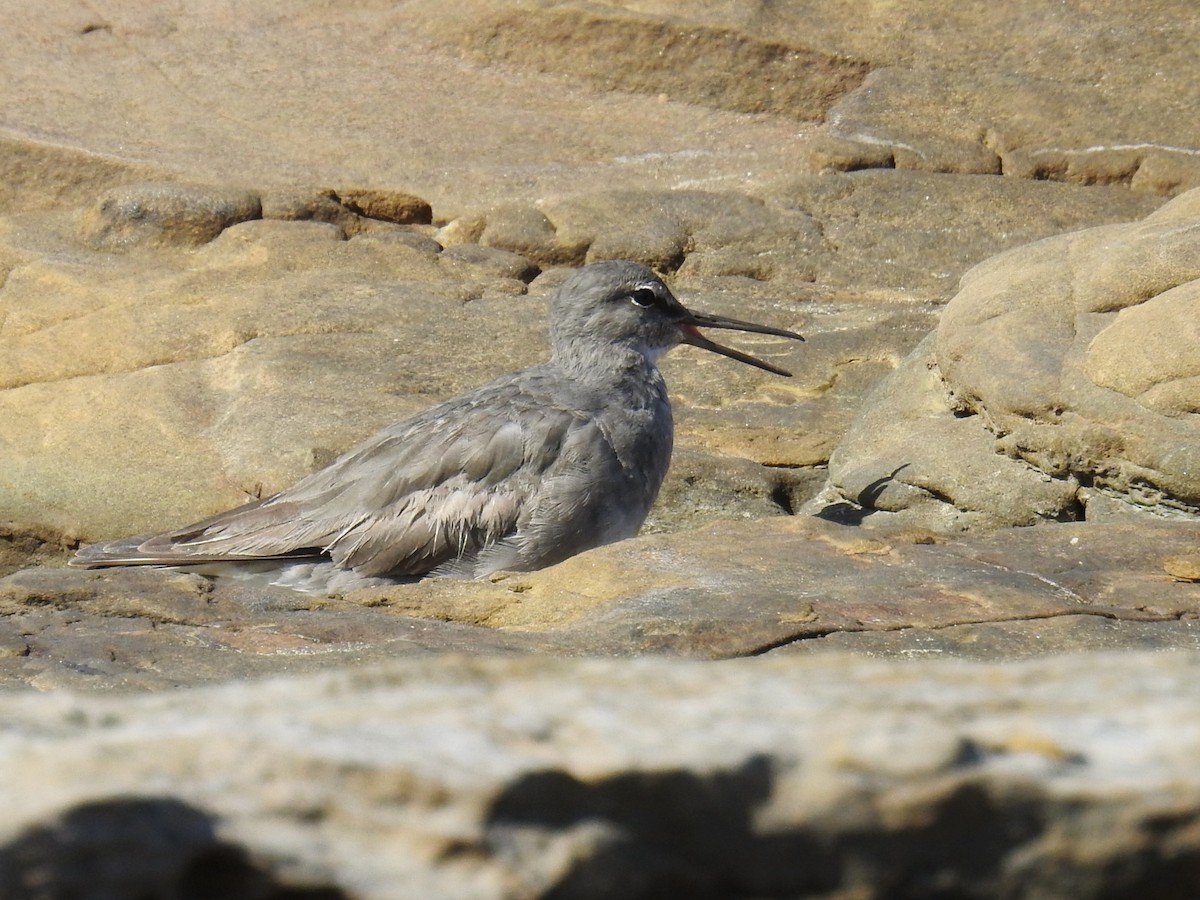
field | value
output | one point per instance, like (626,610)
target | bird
(520,474)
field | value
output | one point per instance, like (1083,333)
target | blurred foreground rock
(454,778)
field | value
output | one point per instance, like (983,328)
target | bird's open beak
(690,324)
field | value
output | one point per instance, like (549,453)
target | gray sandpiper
(519,474)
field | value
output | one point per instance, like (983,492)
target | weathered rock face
(276,234)
(1062,383)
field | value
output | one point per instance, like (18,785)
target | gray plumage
(519,474)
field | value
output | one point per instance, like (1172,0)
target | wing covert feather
(446,483)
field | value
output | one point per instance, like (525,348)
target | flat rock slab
(739,589)
(151,629)
(723,590)
(500,101)
(473,778)
(1024,639)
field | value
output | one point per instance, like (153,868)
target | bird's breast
(640,426)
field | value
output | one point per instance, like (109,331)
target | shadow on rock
(137,848)
(655,834)
(678,834)
(854,513)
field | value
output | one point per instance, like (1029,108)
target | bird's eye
(644,297)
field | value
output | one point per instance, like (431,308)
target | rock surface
(1070,777)
(1062,383)
(141,214)
(791,585)
(485,102)
(232,243)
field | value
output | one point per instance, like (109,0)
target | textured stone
(166,215)
(735,589)
(151,630)
(389,206)
(909,455)
(302,204)
(144,389)
(1060,384)
(19,549)
(724,589)
(1022,639)
(648,96)
(715,233)
(527,231)
(702,487)
(900,235)
(39,175)
(489,262)
(661,229)
(617,50)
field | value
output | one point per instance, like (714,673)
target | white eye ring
(645,297)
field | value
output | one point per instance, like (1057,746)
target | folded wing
(444,486)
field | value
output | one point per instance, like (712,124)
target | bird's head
(624,304)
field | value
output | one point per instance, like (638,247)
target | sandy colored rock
(1056,410)
(699,487)
(619,50)
(1059,374)
(736,589)
(141,629)
(398,207)
(662,229)
(305,204)
(165,215)
(906,235)
(1185,568)
(218,92)
(40,174)
(475,260)
(1018,639)
(724,589)
(910,455)
(1146,354)
(510,102)
(829,167)
(526,230)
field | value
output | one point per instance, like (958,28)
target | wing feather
(442,486)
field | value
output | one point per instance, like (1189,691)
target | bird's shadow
(855,512)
